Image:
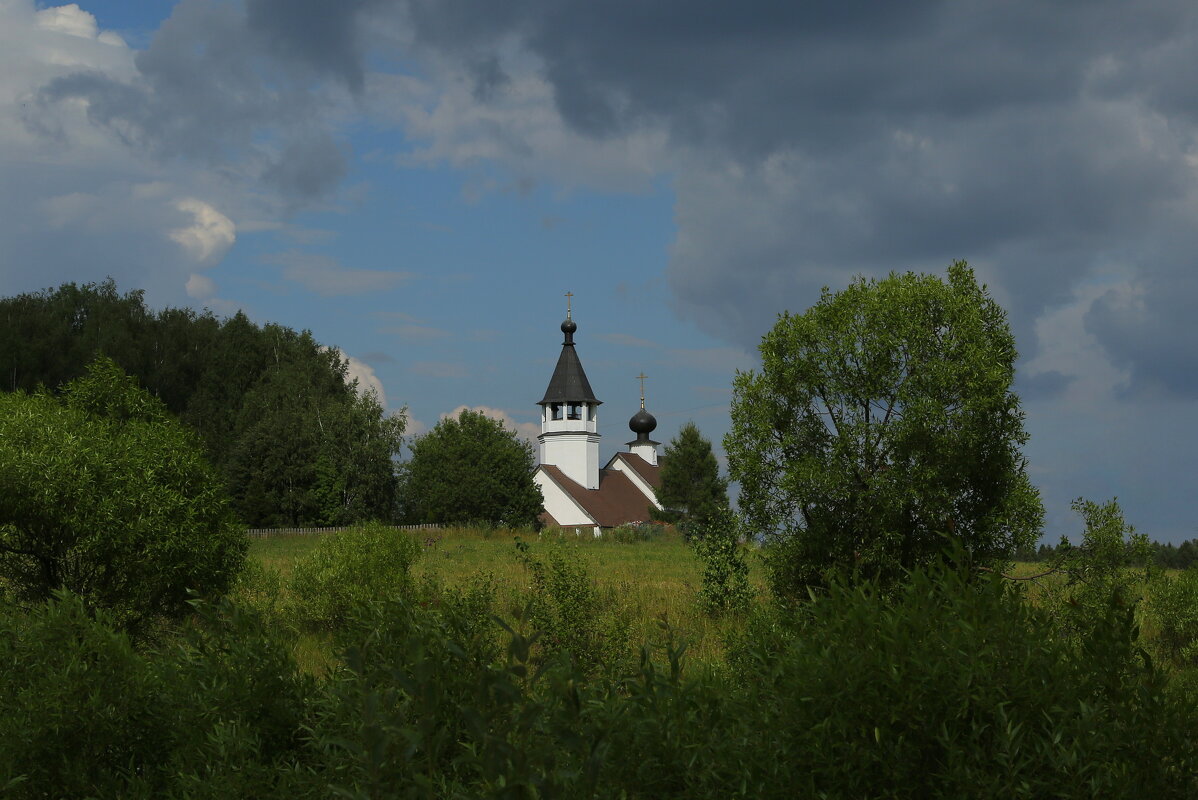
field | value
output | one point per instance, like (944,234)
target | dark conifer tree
(691,486)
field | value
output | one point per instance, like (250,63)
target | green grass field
(657,580)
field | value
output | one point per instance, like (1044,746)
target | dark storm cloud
(1149,327)
(757,76)
(309,166)
(323,36)
(217,81)
(1043,140)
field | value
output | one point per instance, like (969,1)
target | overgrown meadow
(477,663)
(651,578)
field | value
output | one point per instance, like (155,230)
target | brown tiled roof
(651,473)
(617,500)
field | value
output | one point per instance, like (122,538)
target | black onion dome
(642,423)
(569,326)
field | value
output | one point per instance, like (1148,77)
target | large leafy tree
(691,486)
(881,425)
(311,450)
(106,495)
(471,469)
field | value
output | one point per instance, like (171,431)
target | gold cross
(568,296)
(641,378)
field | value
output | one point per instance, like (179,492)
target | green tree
(691,486)
(278,418)
(1100,574)
(471,469)
(881,425)
(106,495)
(308,448)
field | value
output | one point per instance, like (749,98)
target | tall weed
(360,565)
(572,614)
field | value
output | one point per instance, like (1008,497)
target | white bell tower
(569,436)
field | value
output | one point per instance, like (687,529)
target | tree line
(1165,555)
(293,439)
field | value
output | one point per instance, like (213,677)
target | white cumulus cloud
(209,236)
(364,374)
(525,430)
(200,287)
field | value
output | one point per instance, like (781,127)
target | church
(578,493)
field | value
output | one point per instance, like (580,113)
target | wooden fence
(259,533)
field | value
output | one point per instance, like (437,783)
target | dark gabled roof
(617,500)
(569,383)
(649,472)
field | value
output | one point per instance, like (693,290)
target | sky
(420,182)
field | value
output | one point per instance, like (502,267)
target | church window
(574,411)
(557,410)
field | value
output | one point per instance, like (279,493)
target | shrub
(79,707)
(725,570)
(238,707)
(572,615)
(371,562)
(217,713)
(955,688)
(1174,606)
(106,495)
(1099,573)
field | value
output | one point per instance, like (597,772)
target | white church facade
(578,492)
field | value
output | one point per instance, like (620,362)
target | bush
(725,571)
(237,704)
(359,565)
(572,615)
(217,713)
(422,701)
(79,707)
(1174,606)
(106,495)
(1100,572)
(955,688)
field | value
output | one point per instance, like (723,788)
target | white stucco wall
(645,451)
(574,453)
(561,506)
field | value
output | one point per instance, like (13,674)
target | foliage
(288,431)
(218,713)
(725,569)
(633,532)
(1174,604)
(956,688)
(881,426)
(691,486)
(78,705)
(1099,574)
(109,497)
(333,469)
(346,569)
(572,615)
(943,687)
(471,469)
